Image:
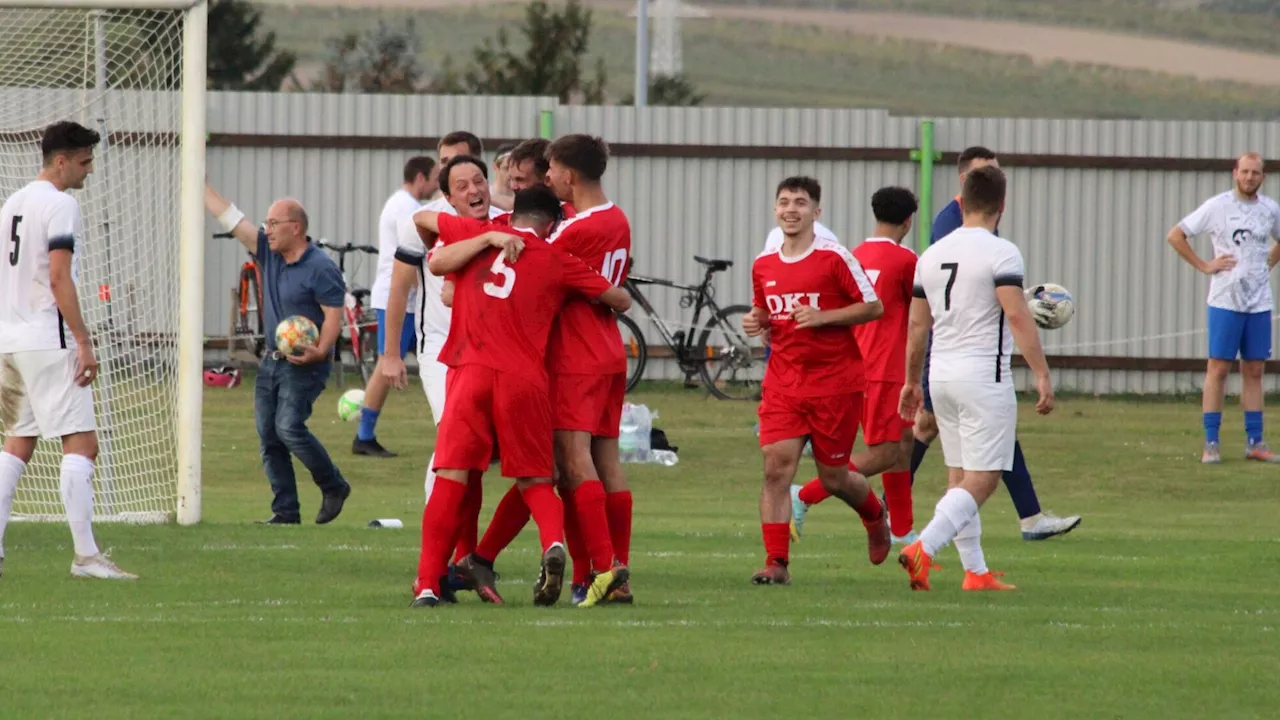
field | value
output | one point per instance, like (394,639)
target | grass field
(1161,605)
(749,63)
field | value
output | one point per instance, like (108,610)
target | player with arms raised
(968,288)
(46,355)
(498,384)
(807,293)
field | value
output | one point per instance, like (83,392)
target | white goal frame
(191,236)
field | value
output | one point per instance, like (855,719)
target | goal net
(118,71)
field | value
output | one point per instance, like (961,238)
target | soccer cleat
(917,563)
(985,581)
(425,599)
(773,573)
(99,566)
(798,510)
(551,578)
(579,593)
(879,541)
(479,577)
(905,539)
(1047,525)
(1259,451)
(604,583)
(622,595)
(370,448)
(1211,453)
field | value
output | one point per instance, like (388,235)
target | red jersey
(585,340)
(502,313)
(811,362)
(892,271)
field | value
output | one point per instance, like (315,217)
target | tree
(383,60)
(241,57)
(676,90)
(551,64)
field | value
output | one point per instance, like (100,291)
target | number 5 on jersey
(17,241)
(501,290)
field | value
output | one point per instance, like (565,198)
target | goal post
(135,71)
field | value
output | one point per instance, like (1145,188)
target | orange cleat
(917,564)
(879,540)
(985,581)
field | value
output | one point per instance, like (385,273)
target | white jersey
(774,241)
(1239,228)
(36,219)
(399,206)
(959,275)
(433,317)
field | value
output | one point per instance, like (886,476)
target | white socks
(77,498)
(11,467)
(969,545)
(431,477)
(955,510)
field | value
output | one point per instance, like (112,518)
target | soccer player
(420,183)
(806,295)
(46,354)
(968,288)
(501,192)
(1239,222)
(891,269)
(589,377)
(1035,524)
(506,297)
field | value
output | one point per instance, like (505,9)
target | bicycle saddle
(714,265)
(359,293)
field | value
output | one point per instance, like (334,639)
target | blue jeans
(282,401)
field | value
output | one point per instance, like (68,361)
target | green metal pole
(926,156)
(547,124)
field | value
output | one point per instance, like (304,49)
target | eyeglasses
(273,224)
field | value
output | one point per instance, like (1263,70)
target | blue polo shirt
(297,288)
(949,220)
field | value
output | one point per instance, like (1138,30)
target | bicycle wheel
(250,319)
(734,365)
(368,356)
(637,351)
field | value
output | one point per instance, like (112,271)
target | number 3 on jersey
(614,264)
(502,290)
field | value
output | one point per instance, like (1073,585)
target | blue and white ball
(1051,305)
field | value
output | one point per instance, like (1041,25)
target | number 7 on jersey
(951,281)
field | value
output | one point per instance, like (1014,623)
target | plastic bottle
(628,438)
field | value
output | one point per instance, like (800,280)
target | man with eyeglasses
(297,279)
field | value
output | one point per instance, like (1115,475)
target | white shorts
(39,395)
(433,375)
(977,423)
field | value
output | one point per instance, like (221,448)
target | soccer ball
(294,331)
(1051,305)
(349,404)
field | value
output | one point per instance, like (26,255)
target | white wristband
(230,218)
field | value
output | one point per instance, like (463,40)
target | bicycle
(247,323)
(361,323)
(723,346)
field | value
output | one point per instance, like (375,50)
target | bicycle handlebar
(347,248)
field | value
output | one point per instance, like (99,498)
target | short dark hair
(536,203)
(504,149)
(534,149)
(65,136)
(447,169)
(801,182)
(969,154)
(474,147)
(983,191)
(418,165)
(893,205)
(584,154)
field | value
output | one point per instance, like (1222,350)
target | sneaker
(1047,525)
(579,593)
(370,448)
(798,510)
(425,599)
(774,573)
(604,583)
(985,581)
(622,595)
(1259,451)
(446,595)
(1211,453)
(917,563)
(479,577)
(879,541)
(551,578)
(99,566)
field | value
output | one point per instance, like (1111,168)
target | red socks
(777,541)
(589,502)
(547,511)
(573,538)
(440,520)
(813,493)
(871,509)
(897,494)
(509,518)
(617,506)
(469,526)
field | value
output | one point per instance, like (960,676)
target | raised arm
(231,218)
(445,259)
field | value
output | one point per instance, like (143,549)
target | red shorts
(589,403)
(830,422)
(487,408)
(881,421)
